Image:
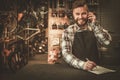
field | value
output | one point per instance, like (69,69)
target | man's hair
(79,3)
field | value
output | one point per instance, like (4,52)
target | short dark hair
(79,3)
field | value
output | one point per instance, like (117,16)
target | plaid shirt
(101,34)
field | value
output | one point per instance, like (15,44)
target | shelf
(55,32)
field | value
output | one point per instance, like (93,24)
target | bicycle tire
(14,63)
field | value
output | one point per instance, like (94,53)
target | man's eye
(84,13)
(77,13)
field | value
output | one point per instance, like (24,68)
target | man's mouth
(81,22)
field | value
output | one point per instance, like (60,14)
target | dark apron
(85,46)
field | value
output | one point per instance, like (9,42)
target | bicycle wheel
(14,61)
(18,57)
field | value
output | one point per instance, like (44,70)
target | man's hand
(89,65)
(91,17)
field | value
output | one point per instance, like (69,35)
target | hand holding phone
(91,17)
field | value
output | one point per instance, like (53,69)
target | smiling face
(80,15)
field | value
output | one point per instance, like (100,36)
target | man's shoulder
(71,27)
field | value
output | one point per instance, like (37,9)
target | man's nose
(80,16)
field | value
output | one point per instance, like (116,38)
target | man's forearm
(72,60)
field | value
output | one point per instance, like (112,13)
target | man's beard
(81,25)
